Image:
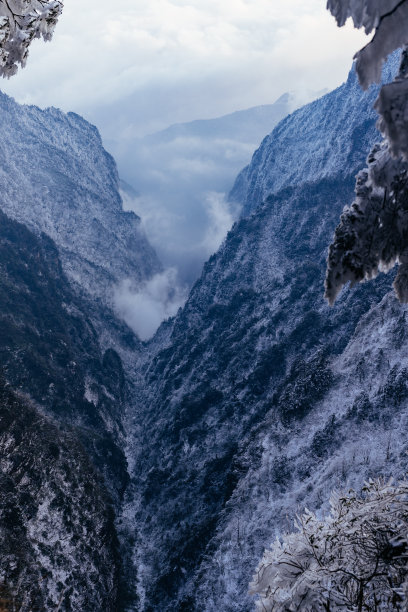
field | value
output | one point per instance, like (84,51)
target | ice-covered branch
(21,21)
(353,559)
(373,231)
(389,21)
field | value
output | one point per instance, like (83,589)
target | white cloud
(183,220)
(146,306)
(220,220)
(162,61)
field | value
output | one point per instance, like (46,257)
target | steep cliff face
(61,438)
(328,138)
(56,177)
(258,399)
(333,429)
(64,391)
(48,346)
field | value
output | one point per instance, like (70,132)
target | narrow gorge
(147,476)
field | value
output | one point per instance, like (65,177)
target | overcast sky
(140,65)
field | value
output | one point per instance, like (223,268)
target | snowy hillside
(63,397)
(61,438)
(56,177)
(248,359)
(329,137)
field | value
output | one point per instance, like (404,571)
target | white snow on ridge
(326,138)
(56,177)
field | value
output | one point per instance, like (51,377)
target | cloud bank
(145,307)
(182,174)
(184,238)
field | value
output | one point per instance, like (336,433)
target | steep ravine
(246,362)
(64,247)
(190,452)
(258,399)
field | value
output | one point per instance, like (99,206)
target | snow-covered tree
(354,559)
(20,22)
(389,21)
(373,232)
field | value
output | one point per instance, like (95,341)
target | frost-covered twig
(21,21)
(373,231)
(354,559)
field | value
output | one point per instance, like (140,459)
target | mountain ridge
(298,149)
(55,173)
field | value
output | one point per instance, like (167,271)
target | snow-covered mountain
(65,245)
(329,137)
(56,178)
(154,482)
(230,383)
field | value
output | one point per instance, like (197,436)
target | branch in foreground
(21,21)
